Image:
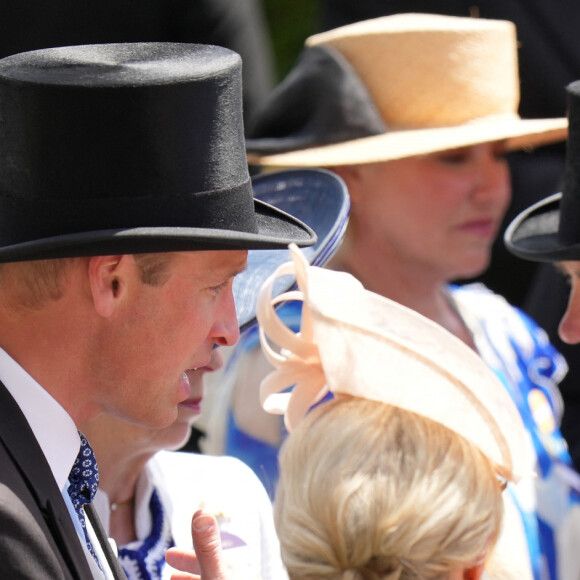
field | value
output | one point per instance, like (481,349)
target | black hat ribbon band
(228,209)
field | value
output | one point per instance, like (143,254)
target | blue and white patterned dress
(520,353)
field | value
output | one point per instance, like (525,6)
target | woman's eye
(452,157)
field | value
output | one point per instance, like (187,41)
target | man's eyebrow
(225,276)
(238,270)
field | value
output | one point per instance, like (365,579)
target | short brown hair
(39,281)
(154,268)
(36,282)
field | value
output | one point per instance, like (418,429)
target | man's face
(569,329)
(160,332)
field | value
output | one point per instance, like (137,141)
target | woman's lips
(193,405)
(483,228)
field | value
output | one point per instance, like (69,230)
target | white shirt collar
(52,426)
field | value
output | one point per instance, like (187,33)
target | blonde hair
(368,491)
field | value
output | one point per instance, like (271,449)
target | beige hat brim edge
(519,134)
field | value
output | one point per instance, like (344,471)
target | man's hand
(206,562)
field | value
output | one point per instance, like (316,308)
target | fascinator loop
(298,363)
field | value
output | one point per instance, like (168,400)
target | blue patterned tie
(83,483)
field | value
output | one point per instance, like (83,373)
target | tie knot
(84,476)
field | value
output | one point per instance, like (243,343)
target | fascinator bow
(354,342)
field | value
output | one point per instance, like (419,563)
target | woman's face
(438,212)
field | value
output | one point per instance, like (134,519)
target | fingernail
(202,523)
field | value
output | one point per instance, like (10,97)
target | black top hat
(128,148)
(549,231)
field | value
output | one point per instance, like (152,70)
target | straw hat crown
(434,70)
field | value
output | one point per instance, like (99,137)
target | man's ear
(108,279)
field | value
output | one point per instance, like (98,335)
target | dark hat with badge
(549,231)
(128,148)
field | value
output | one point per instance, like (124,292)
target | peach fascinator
(358,343)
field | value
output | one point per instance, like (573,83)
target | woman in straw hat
(416,112)
(382,483)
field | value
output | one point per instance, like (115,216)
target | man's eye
(217,289)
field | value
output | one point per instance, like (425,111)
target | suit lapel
(112,559)
(27,455)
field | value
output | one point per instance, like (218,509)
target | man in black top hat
(126,210)
(549,231)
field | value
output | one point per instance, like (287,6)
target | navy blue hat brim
(316,197)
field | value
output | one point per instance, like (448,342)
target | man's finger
(184,576)
(207,558)
(208,546)
(185,561)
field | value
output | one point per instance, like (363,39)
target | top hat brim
(318,198)
(533,234)
(275,229)
(398,144)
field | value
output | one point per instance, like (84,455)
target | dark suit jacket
(37,537)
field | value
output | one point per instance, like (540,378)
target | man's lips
(185,386)
(205,365)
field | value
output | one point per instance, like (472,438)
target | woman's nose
(494,179)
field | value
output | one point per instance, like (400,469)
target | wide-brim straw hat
(354,342)
(128,148)
(549,230)
(395,87)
